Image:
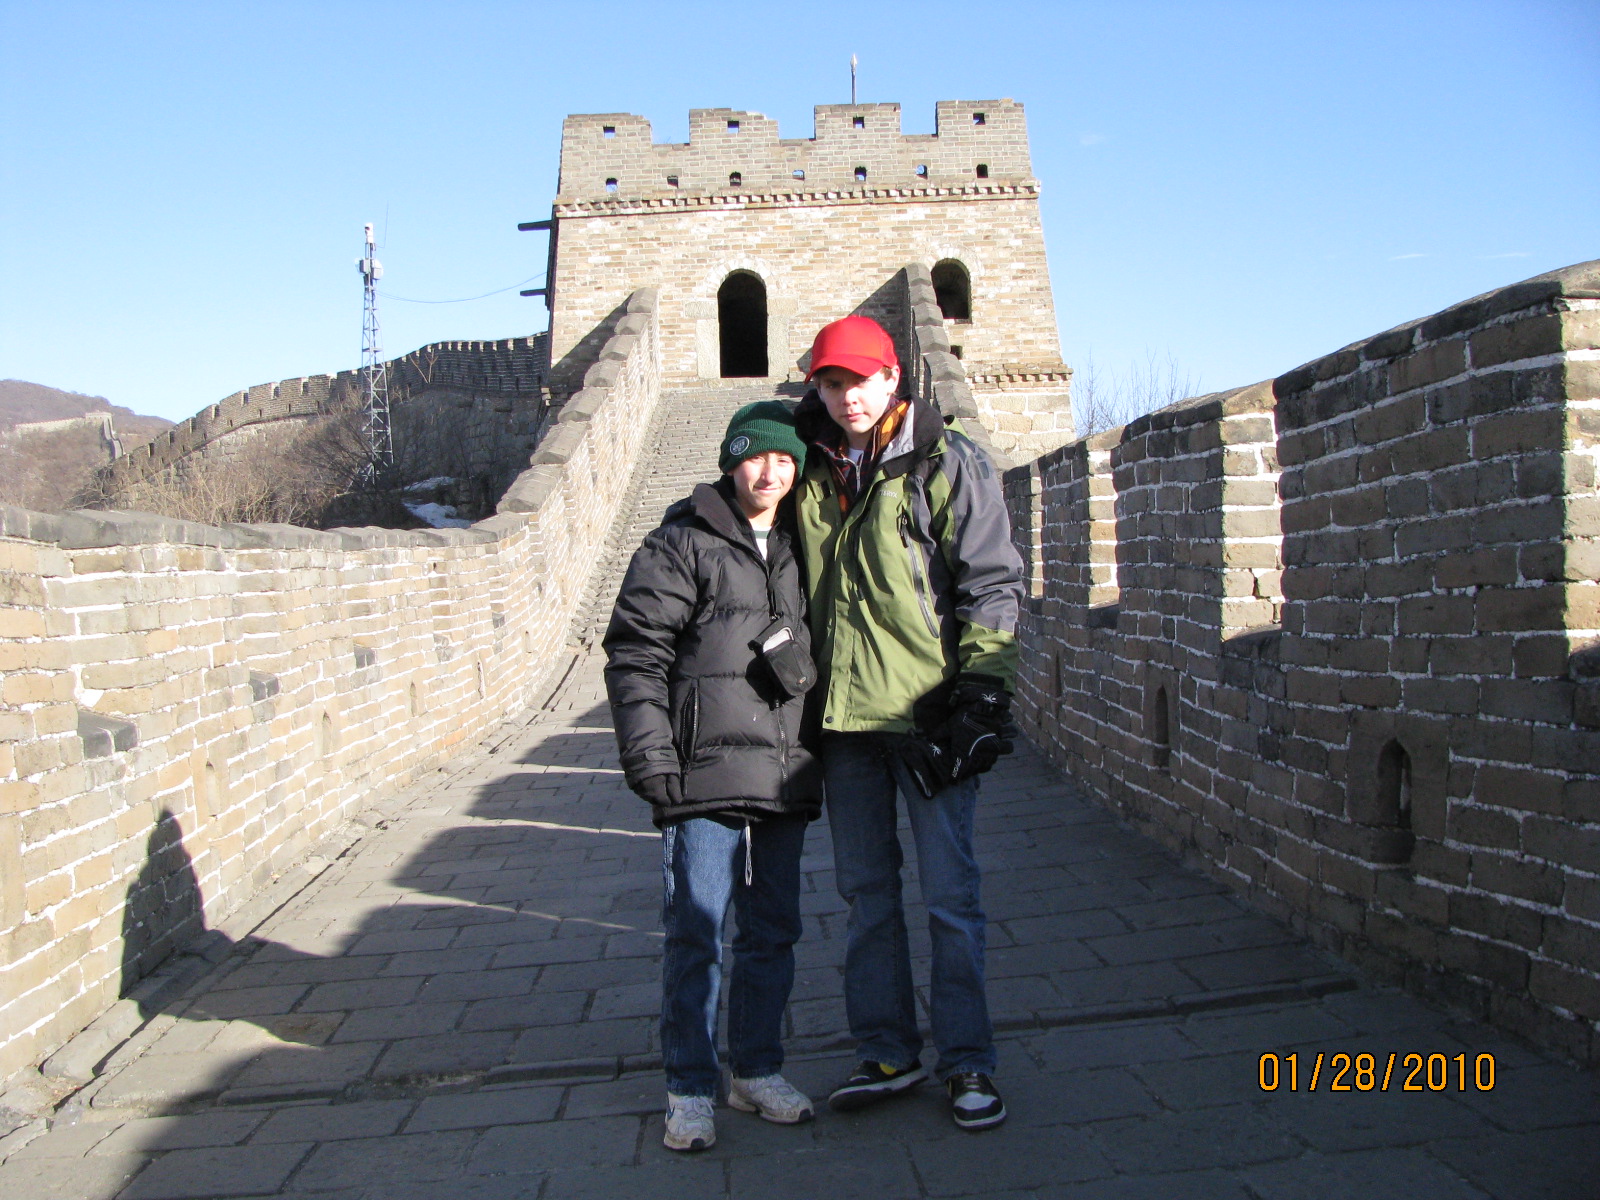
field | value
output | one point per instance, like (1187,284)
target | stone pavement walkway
(462,1008)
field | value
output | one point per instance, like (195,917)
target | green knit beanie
(756,429)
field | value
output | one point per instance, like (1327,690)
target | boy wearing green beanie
(708,663)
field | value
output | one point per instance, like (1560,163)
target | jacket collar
(918,436)
(714,506)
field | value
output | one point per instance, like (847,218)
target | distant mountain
(23,403)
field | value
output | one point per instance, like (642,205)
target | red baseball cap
(857,344)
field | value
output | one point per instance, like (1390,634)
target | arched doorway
(742,325)
(952,287)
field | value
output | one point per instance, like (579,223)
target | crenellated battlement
(516,367)
(858,153)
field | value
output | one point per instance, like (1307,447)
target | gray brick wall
(1332,636)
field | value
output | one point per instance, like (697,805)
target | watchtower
(755,241)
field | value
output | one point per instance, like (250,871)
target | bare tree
(316,475)
(263,480)
(44,471)
(1104,402)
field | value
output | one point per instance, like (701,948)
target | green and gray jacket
(916,583)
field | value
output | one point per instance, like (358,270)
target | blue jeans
(703,867)
(863,774)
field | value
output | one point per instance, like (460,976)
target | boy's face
(762,480)
(856,402)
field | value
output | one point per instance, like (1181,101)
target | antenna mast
(374,373)
(852,79)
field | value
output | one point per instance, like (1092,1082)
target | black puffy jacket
(689,693)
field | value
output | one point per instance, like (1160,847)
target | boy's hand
(662,791)
(925,762)
(978,730)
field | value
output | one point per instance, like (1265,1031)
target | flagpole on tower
(852,79)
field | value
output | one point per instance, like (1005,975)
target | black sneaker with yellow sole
(871,1082)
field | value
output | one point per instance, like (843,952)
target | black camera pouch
(790,665)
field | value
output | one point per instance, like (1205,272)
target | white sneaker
(691,1122)
(773,1096)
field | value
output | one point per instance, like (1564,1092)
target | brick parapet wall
(481,375)
(187,702)
(1361,690)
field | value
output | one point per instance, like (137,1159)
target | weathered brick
(1436,615)
(1575,991)
(1531,337)
(1509,876)
(1518,609)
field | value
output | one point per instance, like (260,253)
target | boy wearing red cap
(914,589)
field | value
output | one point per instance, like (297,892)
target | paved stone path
(462,1008)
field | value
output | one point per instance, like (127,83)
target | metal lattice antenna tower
(374,373)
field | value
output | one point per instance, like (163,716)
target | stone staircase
(681,452)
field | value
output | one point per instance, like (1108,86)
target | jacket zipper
(916,575)
(777,711)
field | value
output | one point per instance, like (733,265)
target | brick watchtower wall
(825,224)
(1364,690)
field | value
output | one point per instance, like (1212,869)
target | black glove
(978,730)
(663,791)
(924,761)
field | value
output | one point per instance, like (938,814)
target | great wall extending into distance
(1330,636)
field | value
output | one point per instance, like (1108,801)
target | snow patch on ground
(427,485)
(440,516)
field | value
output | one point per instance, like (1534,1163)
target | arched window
(1160,732)
(952,287)
(1394,803)
(735,179)
(742,325)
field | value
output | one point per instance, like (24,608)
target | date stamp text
(1400,1072)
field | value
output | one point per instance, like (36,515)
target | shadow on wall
(163,908)
(566,376)
(888,307)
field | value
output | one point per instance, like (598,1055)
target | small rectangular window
(979,119)
(858,122)
(733,127)
(608,131)
(672,181)
(922,170)
(983,170)
(799,174)
(861,174)
(611,185)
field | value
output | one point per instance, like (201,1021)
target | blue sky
(1238,186)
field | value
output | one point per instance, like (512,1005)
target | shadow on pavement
(464,1006)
